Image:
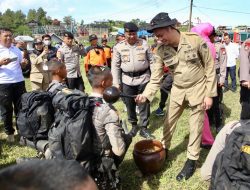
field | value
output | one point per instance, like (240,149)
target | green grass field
(128,170)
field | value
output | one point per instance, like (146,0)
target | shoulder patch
(190,33)
(204,46)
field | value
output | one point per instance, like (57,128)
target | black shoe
(234,89)
(134,130)
(225,89)
(146,134)
(187,171)
(206,146)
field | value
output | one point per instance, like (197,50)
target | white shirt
(232,53)
(12,72)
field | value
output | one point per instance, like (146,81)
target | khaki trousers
(39,86)
(196,120)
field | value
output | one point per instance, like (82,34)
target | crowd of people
(191,68)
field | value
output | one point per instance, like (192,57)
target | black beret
(161,20)
(104,40)
(68,34)
(130,27)
(92,37)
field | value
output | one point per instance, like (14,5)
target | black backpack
(231,169)
(71,135)
(36,115)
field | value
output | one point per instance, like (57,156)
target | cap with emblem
(161,20)
(130,27)
(92,37)
(68,34)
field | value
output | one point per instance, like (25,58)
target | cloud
(71,9)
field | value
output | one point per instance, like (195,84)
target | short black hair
(5,30)
(226,34)
(55,64)
(43,174)
(46,36)
(97,74)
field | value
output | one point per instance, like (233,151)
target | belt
(135,74)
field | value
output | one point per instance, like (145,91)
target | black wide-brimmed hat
(161,20)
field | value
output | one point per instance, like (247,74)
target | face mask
(47,42)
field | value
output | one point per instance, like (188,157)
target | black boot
(187,171)
(134,130)
(146,134)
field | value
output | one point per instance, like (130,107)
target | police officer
(70,54)
(245,78)
(131,71)
(95,54)
(194,83)
(221,67)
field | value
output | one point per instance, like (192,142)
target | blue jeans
(232,72)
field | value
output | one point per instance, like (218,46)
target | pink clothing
(205,30)
(206,137)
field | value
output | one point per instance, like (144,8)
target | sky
(217,12)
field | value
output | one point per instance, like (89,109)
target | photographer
(39,75)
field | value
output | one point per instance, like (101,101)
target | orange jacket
(108,51)
(95,56)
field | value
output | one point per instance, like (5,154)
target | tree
(31,15)
(23,30)
(19,18)
(7,19)
(41,16)
(49,20)
(140,23)
(68,20)
(82,23)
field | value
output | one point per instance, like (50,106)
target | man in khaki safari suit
(194,83)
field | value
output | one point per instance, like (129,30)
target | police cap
(92,37)
(161,20)
(130,27)
(68,34)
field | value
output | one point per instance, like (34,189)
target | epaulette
(190,33)
(121,42)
